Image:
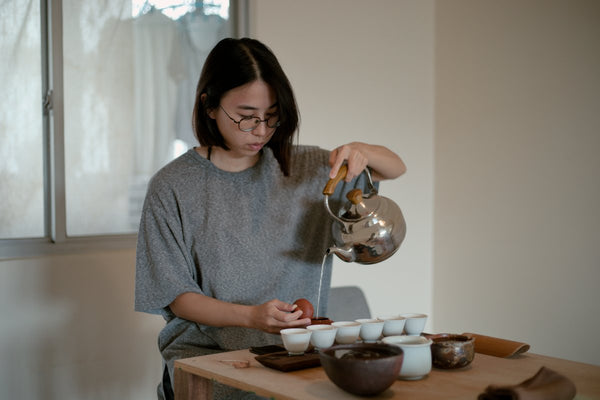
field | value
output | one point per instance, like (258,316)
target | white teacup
(370,329)
(322,336)
(417,355)
(393,324)
(295,340)
(347,331)
(415,323)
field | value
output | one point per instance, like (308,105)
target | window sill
(27,248)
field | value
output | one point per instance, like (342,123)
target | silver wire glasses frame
(248,124)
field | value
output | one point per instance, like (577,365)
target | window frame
(56,240)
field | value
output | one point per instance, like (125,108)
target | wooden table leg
(191,387)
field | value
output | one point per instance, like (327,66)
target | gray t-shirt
(243,237)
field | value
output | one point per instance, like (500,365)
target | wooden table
(194,378)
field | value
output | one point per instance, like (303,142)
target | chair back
(347,303)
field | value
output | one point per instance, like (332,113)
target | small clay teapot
(369,229)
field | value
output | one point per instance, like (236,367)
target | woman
(233,231)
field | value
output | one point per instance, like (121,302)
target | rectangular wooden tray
(282,361)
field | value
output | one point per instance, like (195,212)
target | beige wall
(517,177)
(510,90)
(366,73)
(69,331)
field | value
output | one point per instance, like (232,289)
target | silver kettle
(369,229)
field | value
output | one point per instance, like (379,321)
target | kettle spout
(345,254)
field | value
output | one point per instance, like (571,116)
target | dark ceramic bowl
(452,351)
(364,369)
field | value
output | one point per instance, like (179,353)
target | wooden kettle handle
(332,183)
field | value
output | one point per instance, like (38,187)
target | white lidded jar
(417,355)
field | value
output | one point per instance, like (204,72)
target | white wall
(363,71)
(516,93)
(517,177)
(69,331)
(516,221)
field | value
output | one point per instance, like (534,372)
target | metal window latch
(47,101)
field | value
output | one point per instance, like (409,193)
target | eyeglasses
(248,124)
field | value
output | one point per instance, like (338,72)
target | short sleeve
(164,267)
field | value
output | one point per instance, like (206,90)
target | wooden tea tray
(282,361)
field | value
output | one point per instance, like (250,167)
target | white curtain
(21,157)
(98,99)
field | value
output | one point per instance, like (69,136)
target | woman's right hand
(271,317)
(275,315)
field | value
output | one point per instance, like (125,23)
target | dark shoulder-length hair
(236,62)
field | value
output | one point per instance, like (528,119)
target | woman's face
(254,99)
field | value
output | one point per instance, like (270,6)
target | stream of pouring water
(321,283)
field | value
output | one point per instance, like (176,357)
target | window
(21,133)
(99,96)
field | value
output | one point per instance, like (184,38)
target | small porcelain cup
(295,340)
(417,355)
(370,329)
(393,325)
(322,336)
(348,332)
(415,323)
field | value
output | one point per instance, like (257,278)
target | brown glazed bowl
(364,369)
(450,351)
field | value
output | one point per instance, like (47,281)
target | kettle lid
(359,206)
